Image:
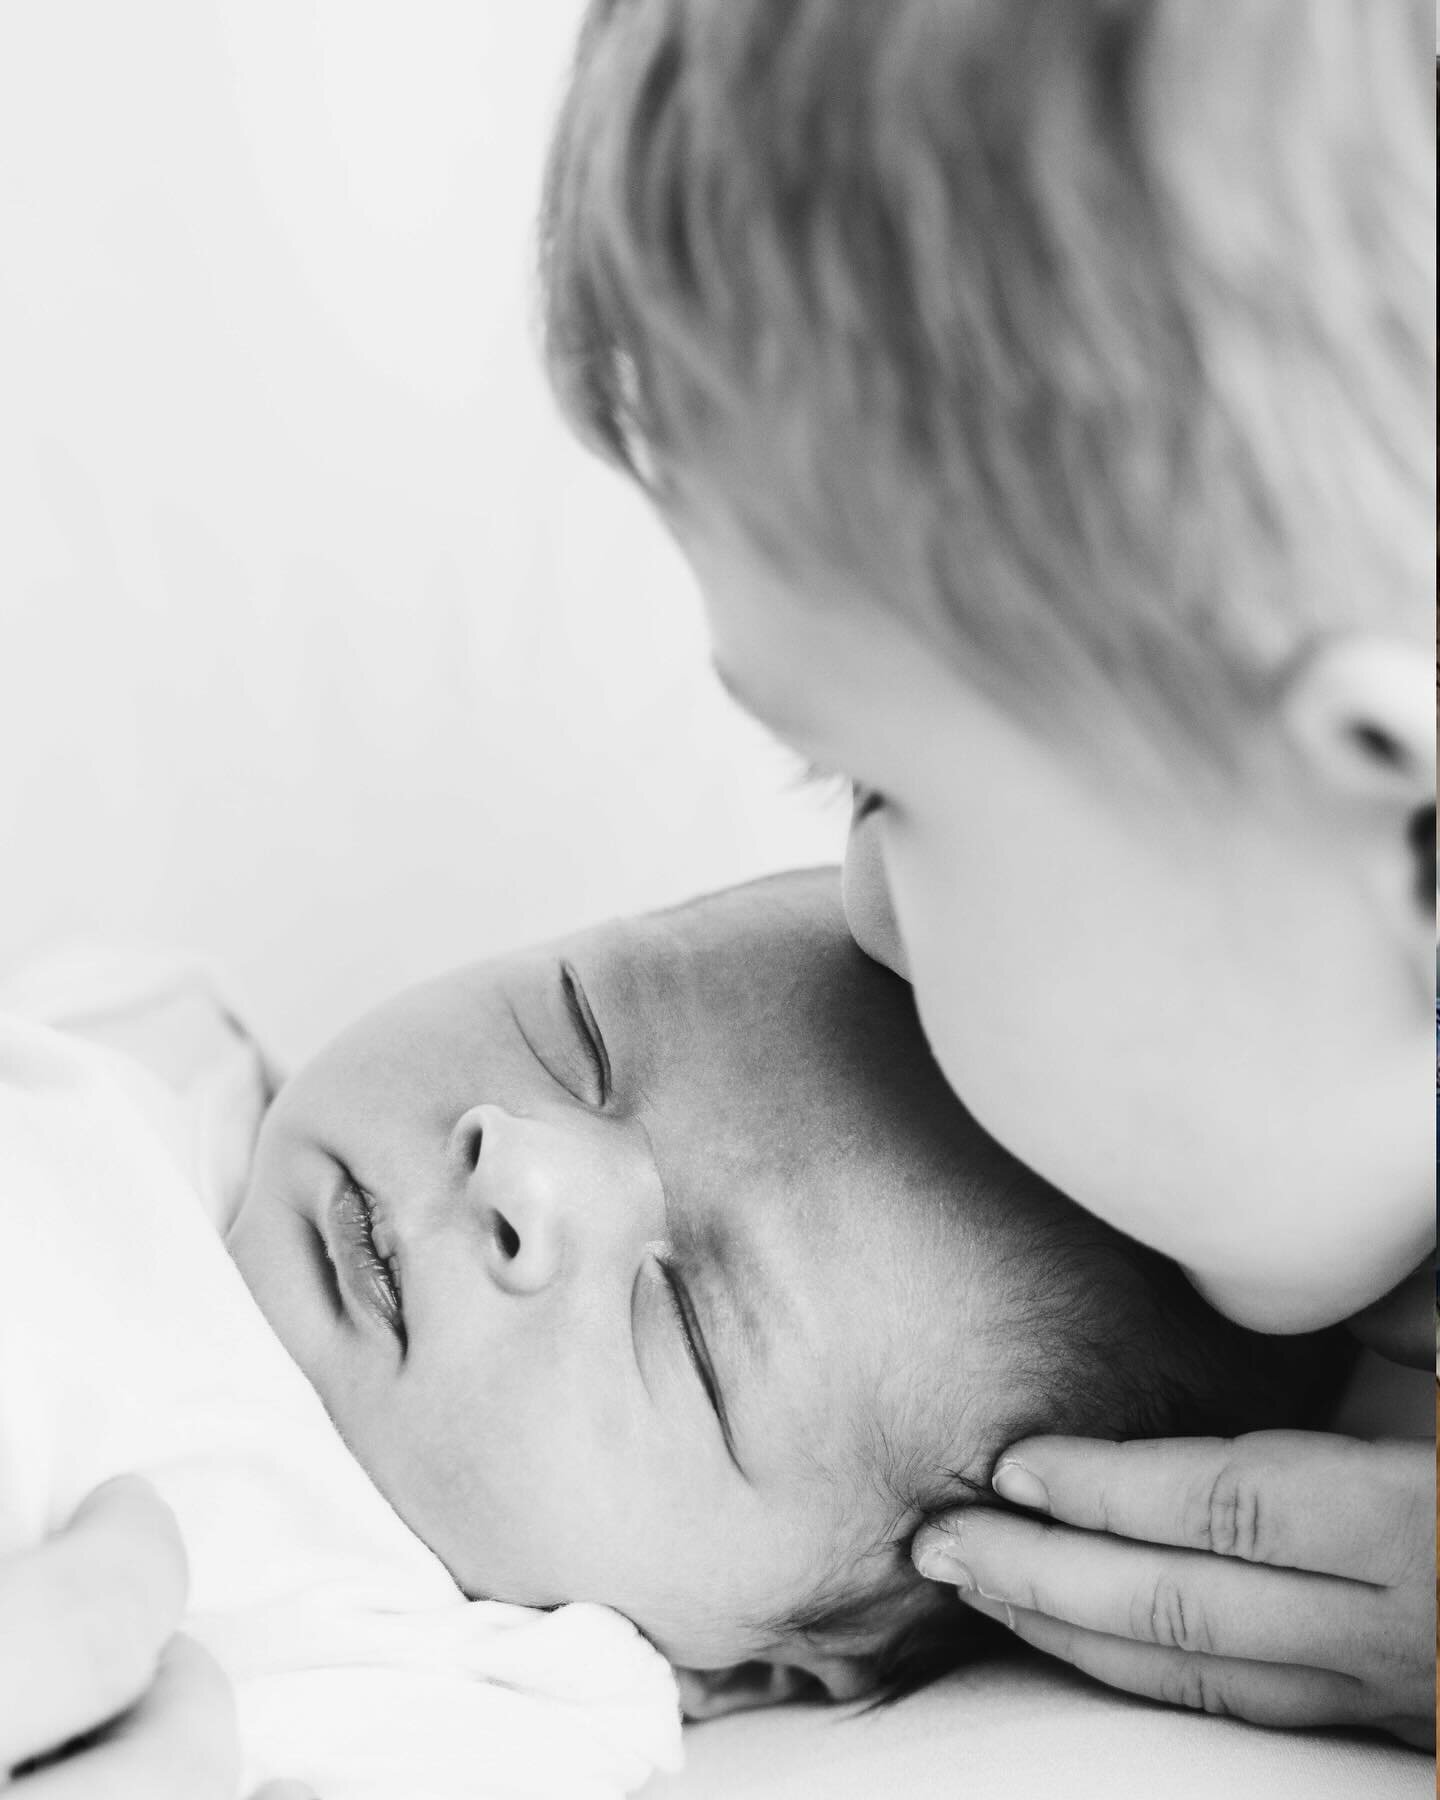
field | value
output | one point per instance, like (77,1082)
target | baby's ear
(710,1693)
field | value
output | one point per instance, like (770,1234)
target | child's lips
(362,1248)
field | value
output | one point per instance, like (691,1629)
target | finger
(1179,1599)
(84,1618)
(1294,1499)
(178,1743)
(1264,1693)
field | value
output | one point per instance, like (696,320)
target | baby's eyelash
(682,1319)
(577,1005)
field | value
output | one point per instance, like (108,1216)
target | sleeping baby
(649,1291)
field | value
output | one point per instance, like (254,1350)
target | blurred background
(324,653)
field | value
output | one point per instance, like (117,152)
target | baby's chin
(267,1250)
(270,1255)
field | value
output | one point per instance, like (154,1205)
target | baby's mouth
(364,1254)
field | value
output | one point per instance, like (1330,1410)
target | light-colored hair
(1092,336)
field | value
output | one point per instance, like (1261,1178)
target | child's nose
(519,1179)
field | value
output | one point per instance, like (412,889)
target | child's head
(1042,390)
(709,1290)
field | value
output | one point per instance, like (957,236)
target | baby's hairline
(858,1615)
(1113,1344)
(869,1593)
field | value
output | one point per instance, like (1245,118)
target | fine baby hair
(1101,1337)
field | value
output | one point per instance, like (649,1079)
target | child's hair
(1092,335)
(1102,1338)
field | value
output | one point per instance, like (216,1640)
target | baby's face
(655,1204)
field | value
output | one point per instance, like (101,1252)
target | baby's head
(705,1290)
(1043,393)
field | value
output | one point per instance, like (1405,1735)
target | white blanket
(128,1341)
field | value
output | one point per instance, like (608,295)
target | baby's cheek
(529,1504)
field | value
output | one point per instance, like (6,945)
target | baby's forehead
(818,1158)
(765,976)
(742,940)
(784,1065)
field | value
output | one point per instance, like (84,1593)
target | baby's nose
(515,1181)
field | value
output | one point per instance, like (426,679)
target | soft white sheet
(128,1341)
(1029,1732)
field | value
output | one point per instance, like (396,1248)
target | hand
(1284,1577)
(87,1651)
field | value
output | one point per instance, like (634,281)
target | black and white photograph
(719,1054)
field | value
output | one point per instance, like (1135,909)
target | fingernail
(1016,1484)
(991,1607)
(940,1565)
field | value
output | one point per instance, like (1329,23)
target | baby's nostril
(507,1238)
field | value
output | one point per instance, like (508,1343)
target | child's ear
(710,1693)
(1360,711)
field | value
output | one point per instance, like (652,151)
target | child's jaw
(1235,967)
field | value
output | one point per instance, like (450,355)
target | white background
(323,651)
